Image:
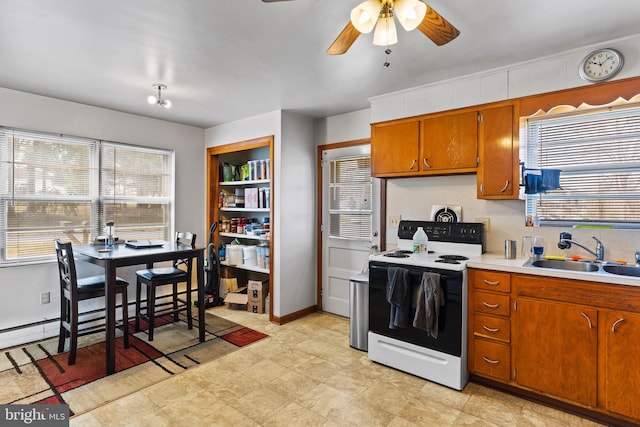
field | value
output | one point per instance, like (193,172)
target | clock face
(601,65)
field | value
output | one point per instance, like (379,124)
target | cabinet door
(450,142)
(621,376)
(394,148)
(496,179)
(555,349)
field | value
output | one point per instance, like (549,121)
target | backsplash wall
(413,198)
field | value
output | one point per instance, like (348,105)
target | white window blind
(598,152)
(50,188)
(136,190)
(350,191)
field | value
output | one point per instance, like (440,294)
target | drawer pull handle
(488,329)
(506,185)
(493,362)
(586,317)
(486,304)
(412,164)
(424,160)
(488,282)
(613,327)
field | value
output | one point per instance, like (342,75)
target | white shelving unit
(246,267)
(229,187)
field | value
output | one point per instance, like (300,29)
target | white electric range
(441,356)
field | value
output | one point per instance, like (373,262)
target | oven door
(450,328)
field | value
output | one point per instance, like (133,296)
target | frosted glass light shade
(410,13)
(365,15)
(385,34)
(152,99)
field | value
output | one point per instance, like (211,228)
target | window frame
(579,174)
(91,202)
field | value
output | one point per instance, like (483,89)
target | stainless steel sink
(623,270)
(567,265)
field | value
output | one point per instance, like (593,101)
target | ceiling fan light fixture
(385,34)
(158,100)
(365,15)
(410,13)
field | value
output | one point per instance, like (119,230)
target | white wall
(343,127)
(20,287)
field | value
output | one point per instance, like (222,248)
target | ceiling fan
(379,14)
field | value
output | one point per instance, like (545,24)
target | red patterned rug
(35,373)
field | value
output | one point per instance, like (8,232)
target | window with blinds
(57,186)
(598,152)
(350,191)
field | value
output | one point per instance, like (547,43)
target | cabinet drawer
(488,302)
(492,327)
(492,359)
(492,280)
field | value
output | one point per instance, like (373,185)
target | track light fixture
(158,100)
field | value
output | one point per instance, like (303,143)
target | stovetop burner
(448,261)
(401,253)
(398,254)
(454,257)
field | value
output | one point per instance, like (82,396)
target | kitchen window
(63,187)
(598,153)
(350,191)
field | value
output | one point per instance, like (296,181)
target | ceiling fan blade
(438,29)
(344,41)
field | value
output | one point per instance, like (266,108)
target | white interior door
(349,222)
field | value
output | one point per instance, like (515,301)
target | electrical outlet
(484,221)
(394,221)
(45,298)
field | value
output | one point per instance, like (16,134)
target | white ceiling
(224,60)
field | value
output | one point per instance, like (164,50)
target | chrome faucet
(565,243)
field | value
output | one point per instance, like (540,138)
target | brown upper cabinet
(449,143)
(426,145)
(395,148)
(498,174)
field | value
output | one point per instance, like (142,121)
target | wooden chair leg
(188,300)
(176,318)
(73,333)
(125,316)
(63,317)
(138,304)
(151,308)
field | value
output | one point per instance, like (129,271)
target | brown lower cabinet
(574,342)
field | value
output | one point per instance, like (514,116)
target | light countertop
(497,262)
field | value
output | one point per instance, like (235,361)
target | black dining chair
(72,291)
(154,277)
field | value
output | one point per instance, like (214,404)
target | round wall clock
(601,65)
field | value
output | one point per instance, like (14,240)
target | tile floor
(305,374)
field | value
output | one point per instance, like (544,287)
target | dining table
(122,255)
